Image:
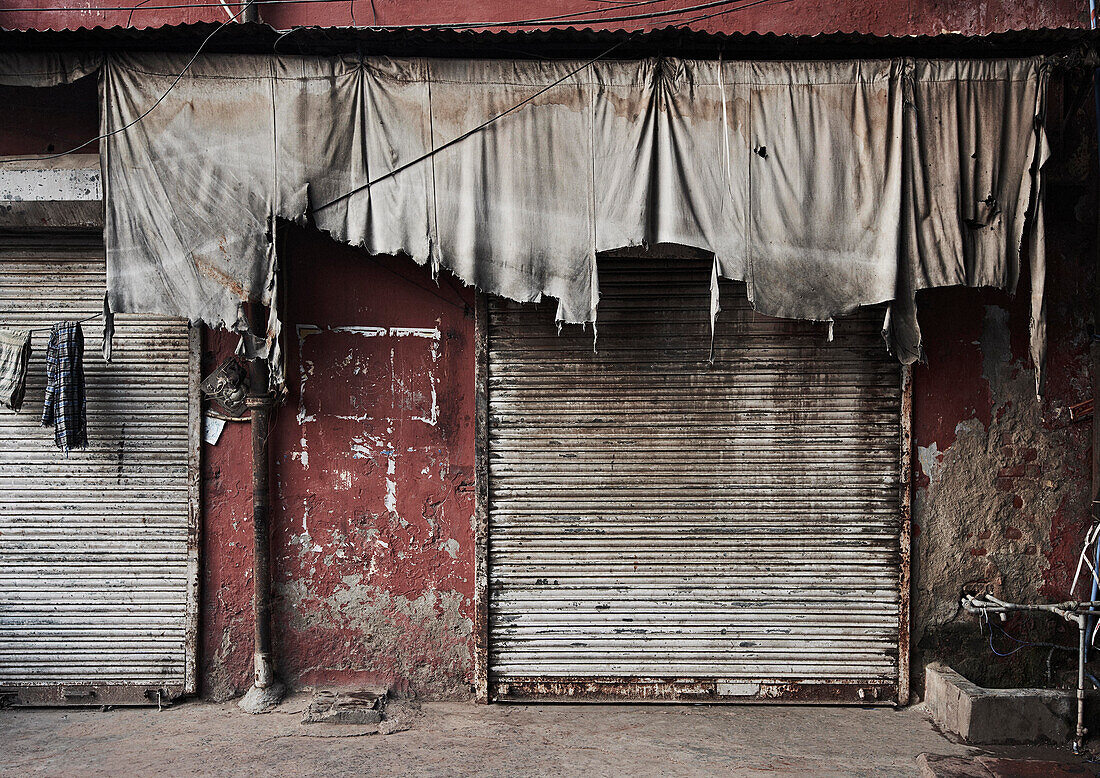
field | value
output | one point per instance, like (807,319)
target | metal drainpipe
(1082,649)
(266,691)
(251,12)
(259,405)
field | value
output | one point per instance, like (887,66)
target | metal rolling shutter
(98,550)
(663,528)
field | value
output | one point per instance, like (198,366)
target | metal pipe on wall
(267,690)
(259,406)
(1094,349)
(1078,613)
(251,12)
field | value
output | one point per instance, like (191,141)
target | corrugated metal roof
(560,42)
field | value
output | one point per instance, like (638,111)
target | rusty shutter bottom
(661,528)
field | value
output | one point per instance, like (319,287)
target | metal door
(661,527)
(98,549)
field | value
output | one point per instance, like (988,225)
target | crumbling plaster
(989,502)
(1002,480)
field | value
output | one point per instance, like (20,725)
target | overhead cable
(576,17)
(724,11)
(149,110)
(467,134)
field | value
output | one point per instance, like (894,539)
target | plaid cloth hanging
(66,407)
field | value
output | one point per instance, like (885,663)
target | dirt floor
(463,739)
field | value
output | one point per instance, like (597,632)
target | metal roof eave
(555,43)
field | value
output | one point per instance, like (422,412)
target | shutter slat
(94,546)
(653,516)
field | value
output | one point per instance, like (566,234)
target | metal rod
(1094,350)
(1082,649)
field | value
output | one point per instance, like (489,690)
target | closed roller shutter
(665,528)
(98,550)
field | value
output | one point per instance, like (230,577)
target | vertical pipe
(1095,351)
(251,11)
(1079,736)
(266,691)
(259,405)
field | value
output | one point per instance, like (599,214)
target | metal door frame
(63,240)
(651,689)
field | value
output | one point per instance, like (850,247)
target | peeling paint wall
(372,484)
(225,648)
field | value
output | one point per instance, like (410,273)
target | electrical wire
(85,320)
(1022,643)
(162,7)
(1093,678)
(652,14)
(704,17)
(576,17)
(465,135)
(618,4)
(206,40)
(1083,560)
(149,110)
(406,279)
(275,45)
(130,18)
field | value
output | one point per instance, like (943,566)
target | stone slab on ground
(1034,768)
(356,707)
(942,766)
(980,715)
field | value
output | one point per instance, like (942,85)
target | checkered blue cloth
(66,404)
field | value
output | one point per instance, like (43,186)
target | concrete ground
(463,739)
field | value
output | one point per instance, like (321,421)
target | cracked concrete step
(980,715)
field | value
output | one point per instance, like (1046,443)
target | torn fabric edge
(901,326)
(1036,252)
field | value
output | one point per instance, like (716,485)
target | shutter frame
(99,551)
(869,396)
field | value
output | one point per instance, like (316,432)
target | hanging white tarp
(824,186)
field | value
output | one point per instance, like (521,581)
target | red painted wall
(779,16)
(372,484)
(377,591)
(225,627)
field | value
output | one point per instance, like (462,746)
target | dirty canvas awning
(824,186)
